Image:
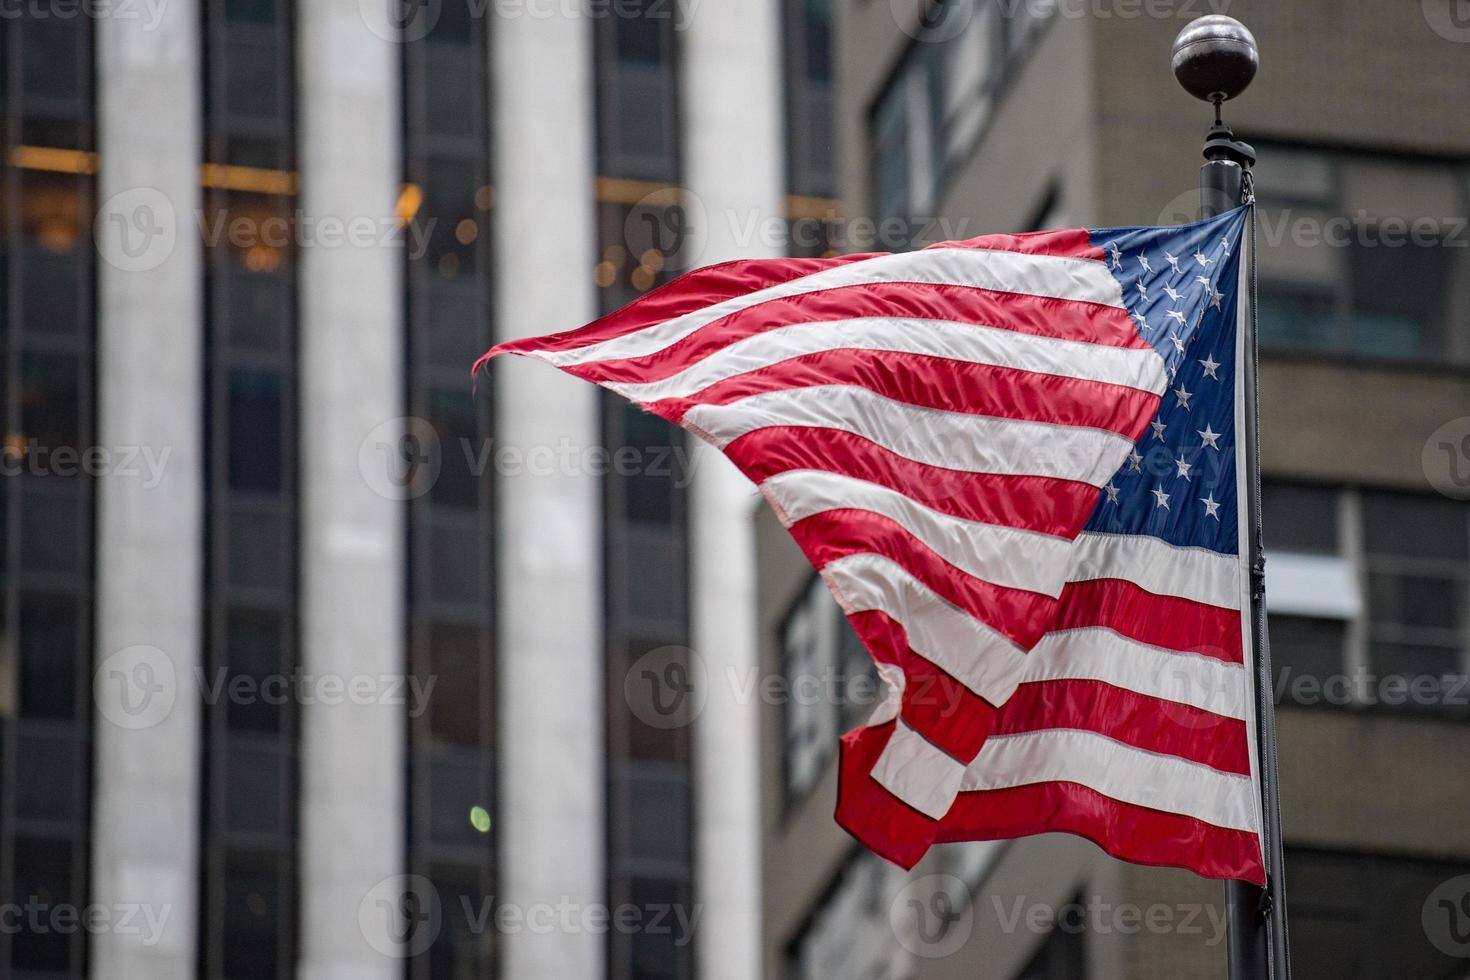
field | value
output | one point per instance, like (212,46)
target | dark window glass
(456,702)
(1398,293)
(251,916)
(255,430)
(1297,318)
(1300,518)
(43,873)
(1063,954)
(49,635)
(257,666)
(1415,527)
(462,952)
(1370,916)
(1306,653)
(454,420)
(50,400)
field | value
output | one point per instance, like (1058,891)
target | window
(934,109)
(637,95)
(47,416)
(248,840)
(1363,255)
(452,762)
(1360,915)
(1369,598)
(849,934)
(643,233)
(831,686)
(1063,954)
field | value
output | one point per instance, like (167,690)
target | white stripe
(1159,567)
(1007,556)
(956,440)
(1135,368)
(918,772)
(1098,654)
(950,638)
(1083,280)
(1122,772)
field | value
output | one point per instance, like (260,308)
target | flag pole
(1215,59)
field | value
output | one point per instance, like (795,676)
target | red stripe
(1158,620)
(1124,830)
(692,291)
(884,824)
(1154,724)
(1015,613)
(935,704)
(1041,316)
(716,283)
(1067,242)
(942,383)
(1040,503)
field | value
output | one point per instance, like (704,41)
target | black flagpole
(1215,58)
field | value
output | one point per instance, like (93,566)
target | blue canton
(1180,286)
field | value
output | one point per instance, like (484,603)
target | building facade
(956,119)
(316,662)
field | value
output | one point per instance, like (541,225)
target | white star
(1203,281)
(1215,297)
(1182,466)
(1212,507)
(1112,493)
(1173,293)
(1143,261)
(1138,318)
(1135,461)
(1142,289)
(1116,253)
(1209,436)
(1178,344)
(1177,315)
(1209,364)
(1225,244)
(1204,260)
(1173,261)
(1162,497)
(1183,396)
(1159,428)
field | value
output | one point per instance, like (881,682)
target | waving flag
(1013,460)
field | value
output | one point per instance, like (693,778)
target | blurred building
(962,118)
(311,664)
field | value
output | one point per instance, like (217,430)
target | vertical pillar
(351,386)
(148,547)
(731,97)
(549,552)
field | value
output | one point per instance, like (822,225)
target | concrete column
(733,166)
(550,537)
(351,395)
(149,542)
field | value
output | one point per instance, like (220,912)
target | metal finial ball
(1215,57)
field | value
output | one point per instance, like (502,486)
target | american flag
(1014,461)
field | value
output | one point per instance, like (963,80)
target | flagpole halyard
(1214,59)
